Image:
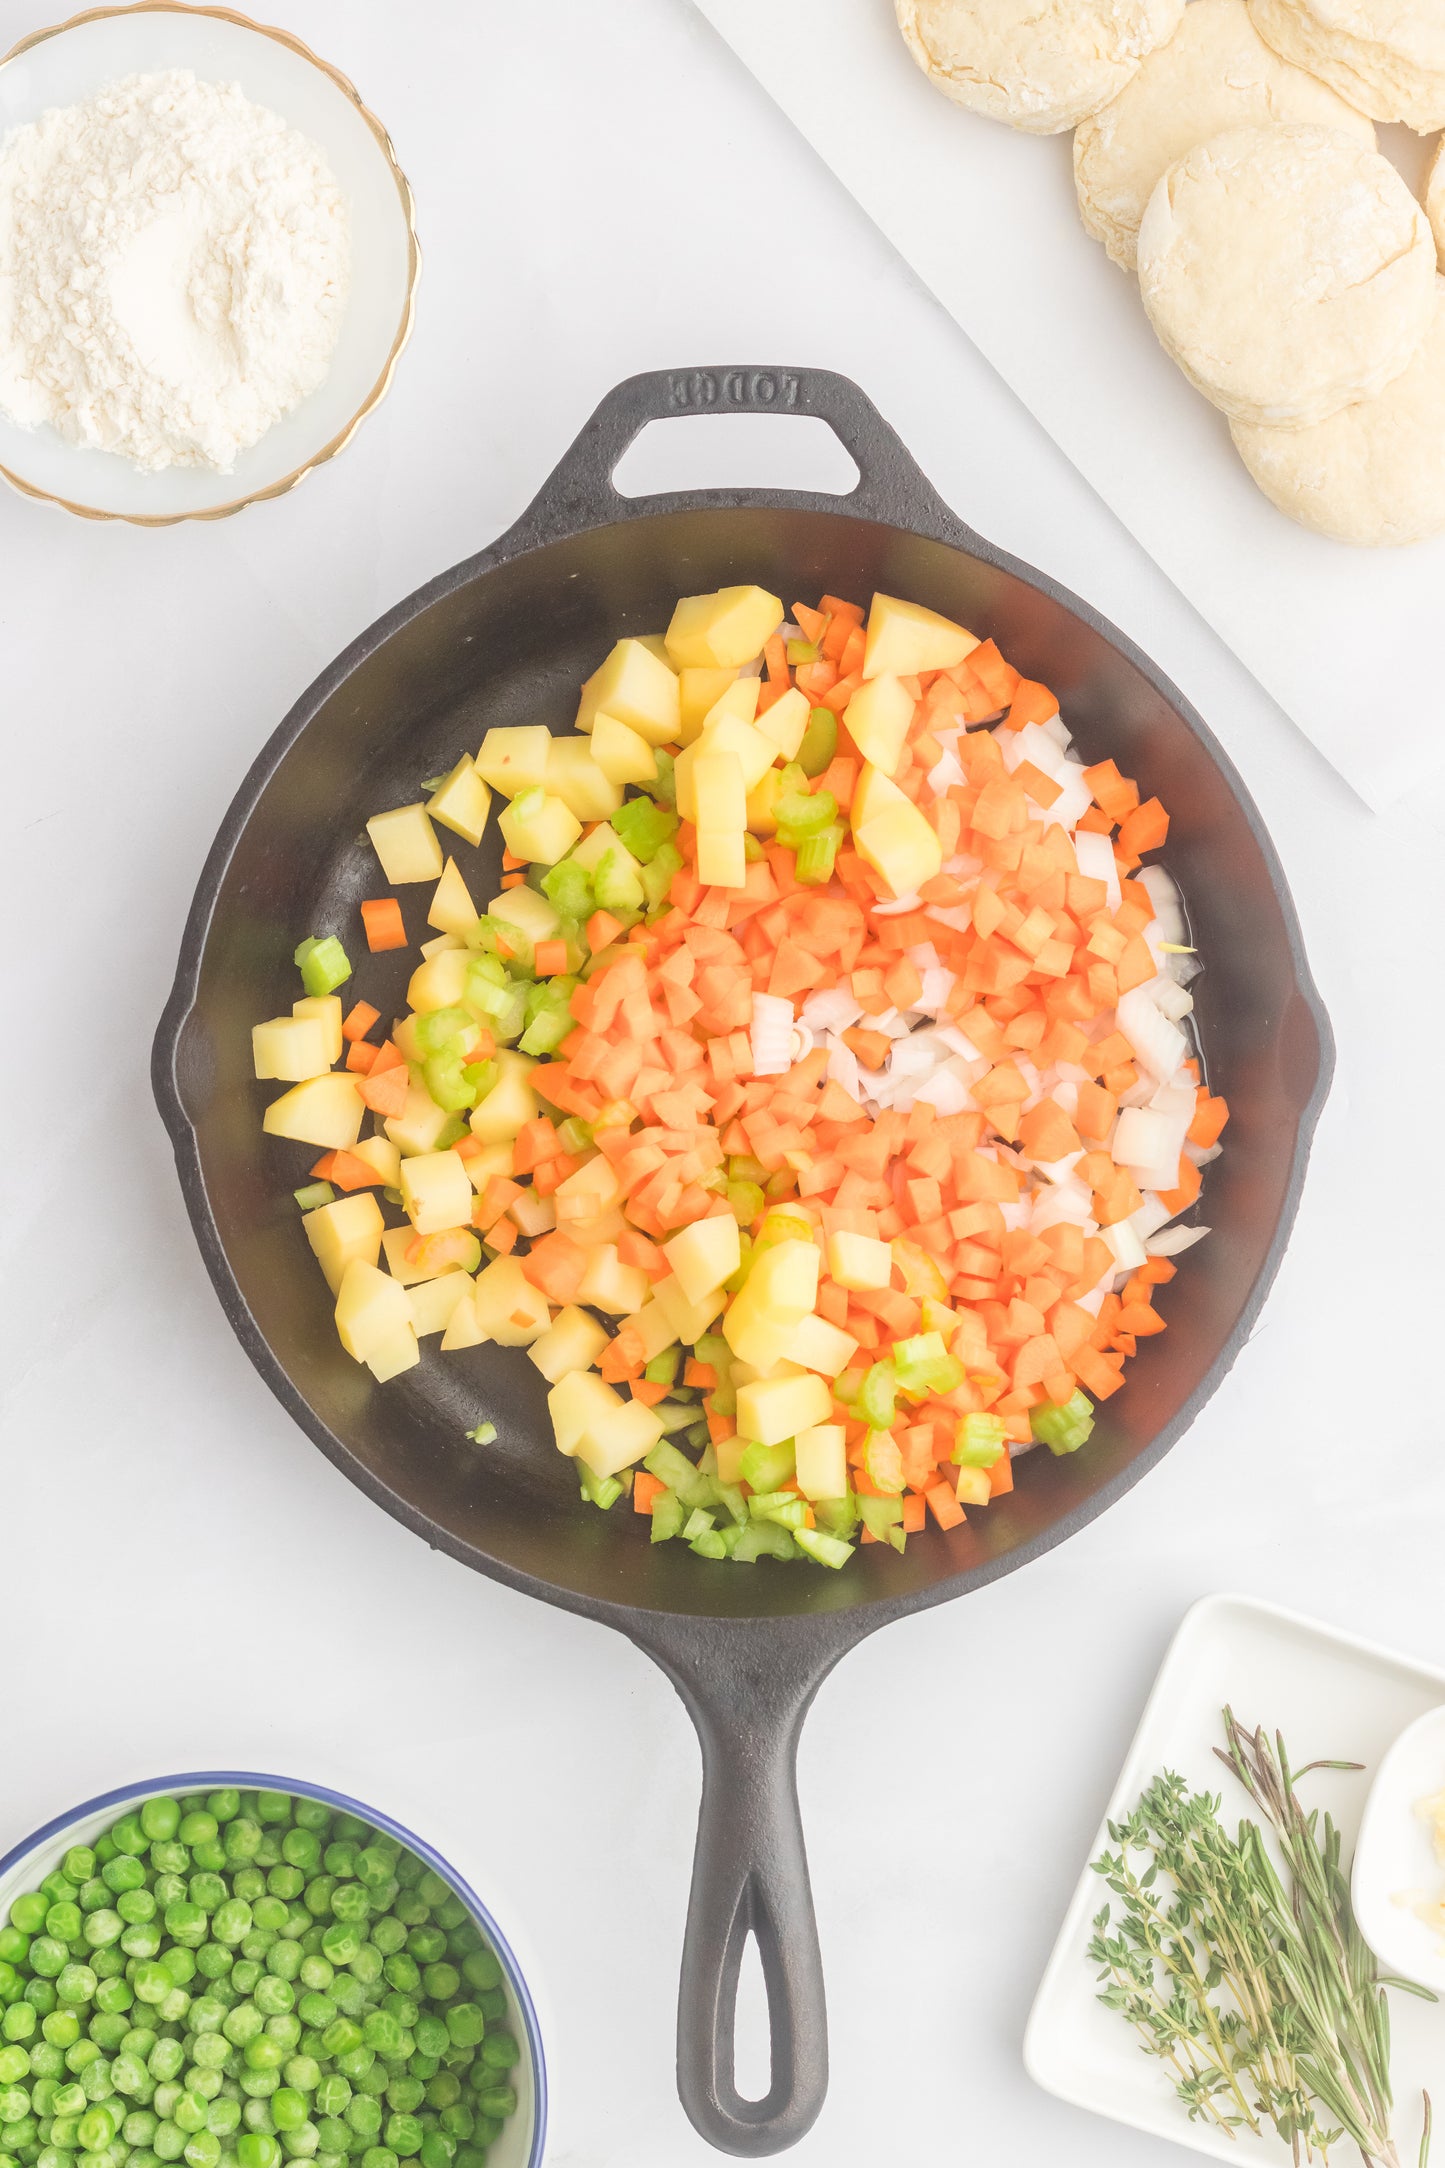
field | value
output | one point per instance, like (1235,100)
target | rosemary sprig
(1258,1994)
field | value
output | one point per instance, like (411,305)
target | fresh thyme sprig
(1258,1994)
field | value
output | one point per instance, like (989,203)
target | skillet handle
(748,1685)
(579,492)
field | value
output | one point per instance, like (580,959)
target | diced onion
(1170,1241)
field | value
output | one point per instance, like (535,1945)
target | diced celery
(451,1129)
(801,814)
(313,1195)
(697,1436)
(746,1201)
(785,1507)
(837,1516)
(549,1017)
(764,1539)
(817,856)
(657,874)
(923,1365)
(323,963)
(668,1516)
(509,1024)
(663,786)
(616,887)
(603,1491)
(1063,1429)
(733,1503)
(768,1467)
(722,1400)
(439,1029)
(574,1135)
(707,1544)
(662,1370)
(753,852)
(697,1524)
(678,1418)
(569,887)
(680,1475)
(731,1286)
(820,742)
(824,1550)
(876,1404)
(452,1086)
(845,1388)
(802,651)
(881,1515)
(978,1441)
(482,1076)
(713,1349)
(484,1434)
(643,826)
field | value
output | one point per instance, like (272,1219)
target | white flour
(173,270)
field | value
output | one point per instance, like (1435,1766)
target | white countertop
(186,1582)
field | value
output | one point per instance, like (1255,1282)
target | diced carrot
(602,930)
(361,1056)
(1031,703)
(382,920)
(385,1090)
(645,1489)
(550,957)
(359,1020)
(346,1171)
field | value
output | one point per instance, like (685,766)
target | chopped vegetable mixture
(812,1103)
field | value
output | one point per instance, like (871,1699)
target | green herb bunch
(1254,1989)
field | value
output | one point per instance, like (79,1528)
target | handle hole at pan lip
(736,451)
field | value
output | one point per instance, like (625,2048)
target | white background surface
(987,217)
(185,1581)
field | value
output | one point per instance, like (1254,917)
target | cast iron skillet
(506,638)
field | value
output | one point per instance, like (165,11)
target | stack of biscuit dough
(1225,150)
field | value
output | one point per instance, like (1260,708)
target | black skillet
(506,638)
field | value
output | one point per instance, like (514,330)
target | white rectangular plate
(1343,638)
(1331,1696)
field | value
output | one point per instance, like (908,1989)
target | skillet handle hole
(752,2042)
(736,451)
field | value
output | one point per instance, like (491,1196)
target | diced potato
(462,1328)
(722,860)
(879,714)
(731,735)
(689,1320)
(717,781)
(531,1214)
(973,1487)
(463,802)
(528,908)
(593,1188)
(433,1301)
(859,1262)
(779,1292)
(905,639)
(737,702)
(511,1103)
(435,1192)
(398,1352)
(394,1245)
(750,1373)
(579,1398)
(639,688)
(622,753)
(591,851)
(704,1255)
(380,1154)
(594,1423)
(822,1461)
(899,844)
(324,1110)
(406,843)
(778,1408)
(821,1346)
(510,1310)
(786,721)
(701,690)
(452,908)
(542,831)
(439,983)
(573,1341)
(290,1048)
(762,803)
(492,1160)
(371,1308)
(722,630)
(653,1326)
(608,1226)
(610,1285)
(326,1007)
(576,777)
(440,943)
(729,1453)
(514,757)
(418,1126)
(343,1232)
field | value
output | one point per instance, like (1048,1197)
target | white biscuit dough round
(1435,198)
(1374,474)
(1288,271)
(1215,73)
(1040,65)
(1386,56)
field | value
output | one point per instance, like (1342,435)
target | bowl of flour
(208,264)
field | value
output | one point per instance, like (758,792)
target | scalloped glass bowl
(24,1866)
(72,61)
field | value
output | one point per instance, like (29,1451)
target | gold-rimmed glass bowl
(72,60)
